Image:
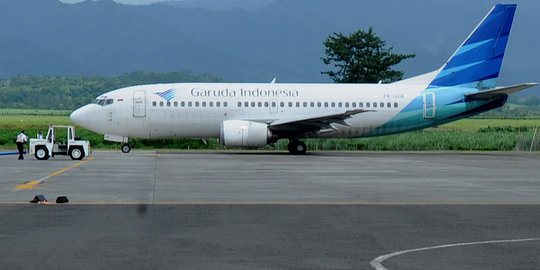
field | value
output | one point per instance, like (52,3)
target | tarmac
(271,210)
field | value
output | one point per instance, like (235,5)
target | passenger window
(239,104)
(282,104)
(326,104)
(196,104)
(246,104)
(354,104)
(224,103)
(395,104)
(176,104)
(319,104)
(161,104)
(218,104)
(368,105)
(266,104)
(290,104)
(374,104)
(211,104)
(312,104)
(168,104)
(183,104)
(339,104)
(259,104)
(154,103)
(203,103)
(333,104)
(347,104)
(274,104)
(253,104)
(360,104)
(388,104)
(305,104)
(297,104)
(381,105)
(189,104)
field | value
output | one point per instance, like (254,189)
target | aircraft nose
(79,116)
(91,117)
(88,117)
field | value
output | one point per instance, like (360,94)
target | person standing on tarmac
(21,140)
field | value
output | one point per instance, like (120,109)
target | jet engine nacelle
(247,134)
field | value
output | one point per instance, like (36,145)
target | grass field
(478,123)
(468,134)
(7,112)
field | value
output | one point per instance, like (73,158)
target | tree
(361,58)
(532,101)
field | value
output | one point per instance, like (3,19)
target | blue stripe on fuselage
(450,105)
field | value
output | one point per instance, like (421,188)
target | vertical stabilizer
(477,62)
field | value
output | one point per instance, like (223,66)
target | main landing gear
(297,147)
(126,147)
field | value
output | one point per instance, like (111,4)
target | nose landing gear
(126,147)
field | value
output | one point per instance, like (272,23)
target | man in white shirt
(21,140)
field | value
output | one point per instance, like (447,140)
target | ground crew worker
(21,140)
(40,135)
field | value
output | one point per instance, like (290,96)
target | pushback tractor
(60,140)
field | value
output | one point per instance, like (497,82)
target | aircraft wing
(499,91)
(312,123)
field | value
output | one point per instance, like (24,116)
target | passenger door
(429,105)
(139,103)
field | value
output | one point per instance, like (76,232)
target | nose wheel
(126,147)
(297,147)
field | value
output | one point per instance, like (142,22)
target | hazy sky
(209,4)
(131,2)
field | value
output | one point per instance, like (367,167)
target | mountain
(243,42)
(250,5)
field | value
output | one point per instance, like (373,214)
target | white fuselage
(195,110)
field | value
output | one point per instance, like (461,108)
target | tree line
(69,93)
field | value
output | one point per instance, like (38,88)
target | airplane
(253,115)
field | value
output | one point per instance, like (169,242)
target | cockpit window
(104,101)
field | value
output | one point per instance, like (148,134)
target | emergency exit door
(139,103)
(273,106)
(429,105)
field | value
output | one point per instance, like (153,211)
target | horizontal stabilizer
(499,91)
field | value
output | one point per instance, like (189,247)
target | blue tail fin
(477,62)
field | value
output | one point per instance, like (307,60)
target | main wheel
(76,153)
(41,153)
(297,147)
(126,147)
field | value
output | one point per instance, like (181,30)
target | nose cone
(89,117)
(78,116)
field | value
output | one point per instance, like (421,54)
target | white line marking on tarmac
(334,171)
(377,262)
